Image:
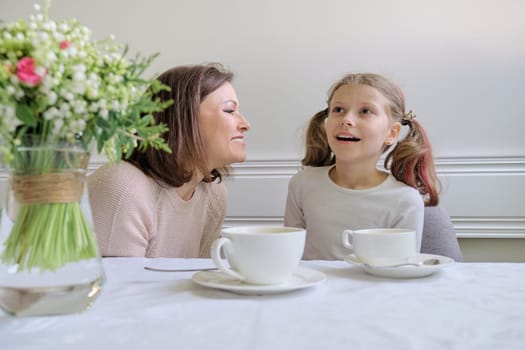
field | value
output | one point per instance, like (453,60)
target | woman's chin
(240,158)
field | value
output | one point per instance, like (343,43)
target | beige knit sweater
(134,216)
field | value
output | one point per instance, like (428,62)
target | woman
(157,204)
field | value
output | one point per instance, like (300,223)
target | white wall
(461,64)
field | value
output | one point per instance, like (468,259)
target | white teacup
(259,254)
(381,246)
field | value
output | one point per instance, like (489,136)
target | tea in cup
(381,246)
(259,254)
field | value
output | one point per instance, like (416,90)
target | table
(463,306)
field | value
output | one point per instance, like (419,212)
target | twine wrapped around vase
(66,187)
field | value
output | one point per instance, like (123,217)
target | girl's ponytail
(318,151)
(411,161)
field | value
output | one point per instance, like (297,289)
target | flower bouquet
(62,93)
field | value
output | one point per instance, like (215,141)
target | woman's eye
(230,111)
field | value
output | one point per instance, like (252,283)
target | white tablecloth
(463,306)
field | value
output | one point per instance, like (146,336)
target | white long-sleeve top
(325,209)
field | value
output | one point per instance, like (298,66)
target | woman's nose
(244,125)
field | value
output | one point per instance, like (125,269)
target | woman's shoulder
(215,191)
(215,196)
(119,175)
(122,186)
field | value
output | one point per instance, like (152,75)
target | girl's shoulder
(311,173)
(401,190)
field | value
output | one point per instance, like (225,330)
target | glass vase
(49,259)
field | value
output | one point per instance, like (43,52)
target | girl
(157,204)
(343,188)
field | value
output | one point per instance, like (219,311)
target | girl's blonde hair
(411,159)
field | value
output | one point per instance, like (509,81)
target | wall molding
(473,170)
(505,165)
(270,176)
(444,165)
(466,227)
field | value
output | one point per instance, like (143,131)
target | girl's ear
(393,133)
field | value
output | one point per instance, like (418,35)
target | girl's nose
(348,119)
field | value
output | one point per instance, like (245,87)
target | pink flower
(25,71)
(64,44)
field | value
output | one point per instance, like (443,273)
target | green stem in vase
(50,229)
(47,236)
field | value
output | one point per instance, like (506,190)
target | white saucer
(301,278)
(404,271)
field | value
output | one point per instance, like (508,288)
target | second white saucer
(403,271)
(301,278)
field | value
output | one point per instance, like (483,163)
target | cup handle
(216,247)
(346,241)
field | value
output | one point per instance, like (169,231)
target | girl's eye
(337,109)
(366,111)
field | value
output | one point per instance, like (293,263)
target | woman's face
(358,126)
(223,127)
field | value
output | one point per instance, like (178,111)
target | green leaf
(26,115)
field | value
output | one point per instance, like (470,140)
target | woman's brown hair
(189,85)
(411,159)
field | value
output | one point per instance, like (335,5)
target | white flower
(79,106)
(51,113)
(78,87)
(57,126)
(64,27)
(19,94)
(51,98)
(79,68)
(92,93)
(44,36)
(50,26)
(68,95)
(93,107)
(46,85)
(79,76)
(40,71)
(51,56)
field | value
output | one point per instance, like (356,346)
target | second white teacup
(381,246)
(259,254)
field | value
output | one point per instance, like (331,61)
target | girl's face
(358,126)
(222,127)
